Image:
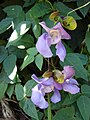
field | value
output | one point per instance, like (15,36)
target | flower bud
(47,74)
(69,23)
(54,16)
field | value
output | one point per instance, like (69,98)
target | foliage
(19,58)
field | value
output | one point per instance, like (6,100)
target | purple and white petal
(43,46)
(37,98)
(60,51)
(55,36)
(43,103)
(68,72)
(43,24)
(72,81)
(34,77)
(56,96)
(73,89)
(48,89)
(36,95)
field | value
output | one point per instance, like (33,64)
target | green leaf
(3,88)
(85,89)
(19,91)
(42,7)
(26,41)
(29,108)
(65,114)
(39,61)
(9,64)
(28,87)
(20,53)
(10,90)
(85,9)
(84,106)
(73,60)
(28,3)
(83,58)
(36,27)
(20,30)
(19,19)
(64,10)
(70,99)
(10,67)
(3,53)
(27,60)
(13,10)
(32,51)
(4,77)
(5,24)
(87,40)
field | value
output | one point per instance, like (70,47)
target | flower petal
(72,81)
(61,51)
(43,24)
(68,72)
(43,81)
(48,81)
(57,86)
(43,44)
(37,98)
(55,36)
(73,89)
(56,96)
(57,26)
(48,89)
(34,77)
(64,34)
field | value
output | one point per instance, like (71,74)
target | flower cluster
(61,80)
(58,80)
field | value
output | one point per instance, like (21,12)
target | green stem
(49,109)
(79,8)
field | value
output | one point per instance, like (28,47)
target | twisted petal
(34,77)
(56,96)
(61,51)
(43,24)
(68,72)
(43,45)
(71,88)
(37,98)
(43,81)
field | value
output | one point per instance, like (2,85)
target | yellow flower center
(58,76)
(54,35)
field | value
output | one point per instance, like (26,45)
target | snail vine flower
(60,80)
(50,37)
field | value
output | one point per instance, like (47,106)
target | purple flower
(60,81)
(70,84)
(45,85)
(52,36)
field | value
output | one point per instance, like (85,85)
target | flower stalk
(49,108)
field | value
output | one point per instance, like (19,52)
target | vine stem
(49,109)
(79,8)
